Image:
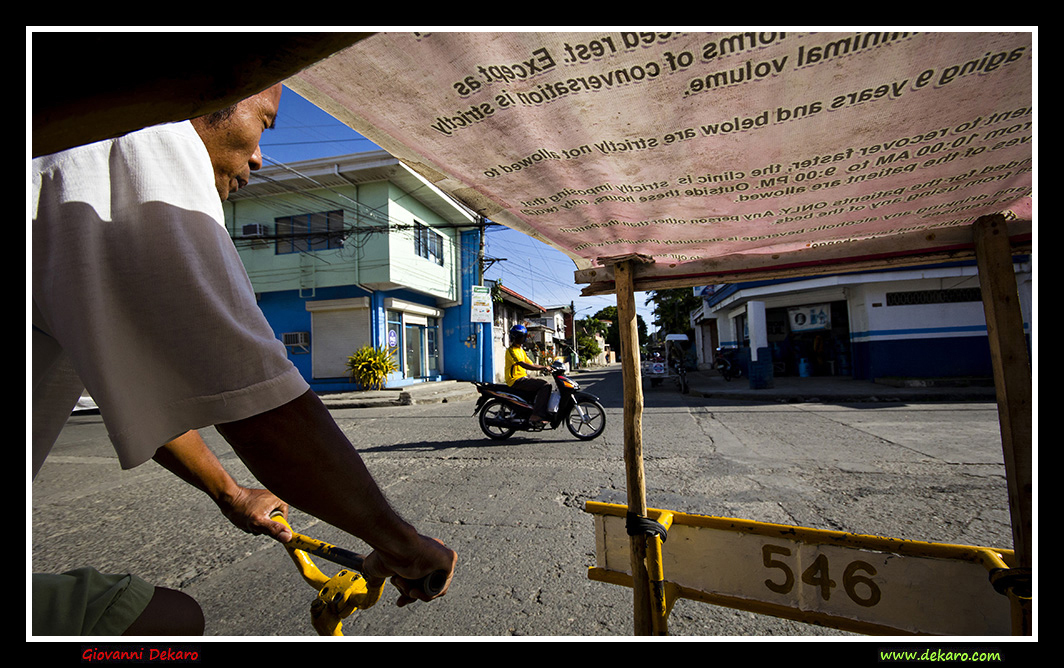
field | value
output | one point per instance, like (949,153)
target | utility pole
(572,318)
(480,253)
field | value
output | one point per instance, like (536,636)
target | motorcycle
(503,411)
(726,363)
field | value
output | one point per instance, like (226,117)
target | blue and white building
(360,250)
(916,322)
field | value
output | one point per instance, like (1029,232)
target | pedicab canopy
(660,160)
(711,157)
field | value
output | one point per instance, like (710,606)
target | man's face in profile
(232,138)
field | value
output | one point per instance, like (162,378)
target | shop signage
(809,318)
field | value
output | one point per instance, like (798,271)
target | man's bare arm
(189,458)
(300,453)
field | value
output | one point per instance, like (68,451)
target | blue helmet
(518,333)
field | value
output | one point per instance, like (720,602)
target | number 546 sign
(858,577)
(865,584)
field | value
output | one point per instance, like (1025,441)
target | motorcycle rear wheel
(586,420)
(496,410)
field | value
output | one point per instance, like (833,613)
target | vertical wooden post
(633,441)
(1012,375)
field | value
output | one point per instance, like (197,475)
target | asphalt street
(514,510)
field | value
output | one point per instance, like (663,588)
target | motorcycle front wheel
(493,417)
(586,420)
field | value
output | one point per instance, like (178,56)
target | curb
(422,393)
(885,390)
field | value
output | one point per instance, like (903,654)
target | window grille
(428,243)
(310,232)
(922,297)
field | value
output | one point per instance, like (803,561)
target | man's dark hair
(220,116)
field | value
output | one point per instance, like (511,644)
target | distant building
(360,250)
(510,308)
(916,322)
(551,332)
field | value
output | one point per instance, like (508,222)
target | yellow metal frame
(339,595)
(664,593)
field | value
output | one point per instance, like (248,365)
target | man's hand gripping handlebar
(431,585)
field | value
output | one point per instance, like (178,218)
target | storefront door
(415,351)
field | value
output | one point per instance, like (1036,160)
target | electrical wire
(351,238)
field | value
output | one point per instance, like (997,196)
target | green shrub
(369,366)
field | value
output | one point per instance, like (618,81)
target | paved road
(514,510)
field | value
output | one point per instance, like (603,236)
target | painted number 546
(861,589)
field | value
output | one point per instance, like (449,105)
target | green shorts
(85,602)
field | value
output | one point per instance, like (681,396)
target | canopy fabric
(710,157)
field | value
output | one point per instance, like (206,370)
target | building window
(428,243)
(310,232)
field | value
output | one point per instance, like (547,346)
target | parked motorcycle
(726,363)
(502,411)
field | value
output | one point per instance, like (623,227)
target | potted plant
(369,366)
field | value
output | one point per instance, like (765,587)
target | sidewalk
(842,389)
(419,393)
(710,385)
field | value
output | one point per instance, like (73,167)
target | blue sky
(531,268)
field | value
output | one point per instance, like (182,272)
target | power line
(316,141)
(369,221)
(347,239)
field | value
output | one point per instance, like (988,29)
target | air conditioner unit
(296,338)
(253,230)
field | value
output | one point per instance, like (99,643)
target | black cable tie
(1016,580)
(637,525)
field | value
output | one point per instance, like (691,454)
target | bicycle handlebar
(432,584)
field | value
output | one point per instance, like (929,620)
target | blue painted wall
(922,357)
(286,312)
(467,346)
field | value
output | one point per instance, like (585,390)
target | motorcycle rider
(517,367)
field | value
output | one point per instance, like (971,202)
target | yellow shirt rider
(517,367)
